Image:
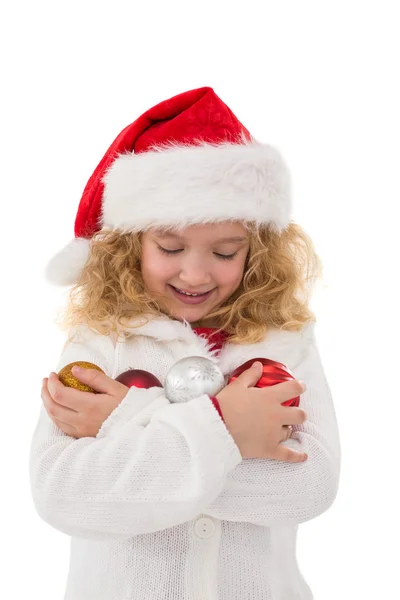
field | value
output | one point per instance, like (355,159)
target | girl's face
(205,260)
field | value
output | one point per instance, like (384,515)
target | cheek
(156,270)
(230,275)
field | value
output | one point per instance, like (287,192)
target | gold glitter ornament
(69,380)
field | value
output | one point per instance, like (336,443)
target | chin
(191,315)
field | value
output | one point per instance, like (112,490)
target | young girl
(184,247)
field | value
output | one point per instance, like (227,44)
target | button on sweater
(160,505)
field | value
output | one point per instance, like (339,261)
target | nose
(195,273)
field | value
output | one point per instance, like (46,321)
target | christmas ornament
(138,378)
(273,372)
(192,376)
(69,380)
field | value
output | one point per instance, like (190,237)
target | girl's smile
(188,297)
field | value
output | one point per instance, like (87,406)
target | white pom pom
(64,268)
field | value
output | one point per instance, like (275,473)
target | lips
(186,299)
(189,293)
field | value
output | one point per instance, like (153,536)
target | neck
(205,323)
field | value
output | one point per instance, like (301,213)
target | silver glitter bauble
(191,377)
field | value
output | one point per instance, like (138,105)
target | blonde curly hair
(280,272)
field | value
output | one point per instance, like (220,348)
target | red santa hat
(185,161)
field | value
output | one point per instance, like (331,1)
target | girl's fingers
(288,455)
(293,415)
(97,380)
(287,432)
(67,396)
(55,410)
(66,428)
(286,390)
(250,377)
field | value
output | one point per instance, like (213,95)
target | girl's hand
(81,414)
(256,418)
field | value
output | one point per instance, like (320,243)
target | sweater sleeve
(272,492)
(155,466)
(214,400)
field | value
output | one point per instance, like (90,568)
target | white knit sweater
(160,504)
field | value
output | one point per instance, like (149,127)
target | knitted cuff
(217,406)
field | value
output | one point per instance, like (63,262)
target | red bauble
(138,378)
(273,373)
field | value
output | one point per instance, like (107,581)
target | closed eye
(168,251)
(226,256)
(221,256)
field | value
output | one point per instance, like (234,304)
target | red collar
(210,332)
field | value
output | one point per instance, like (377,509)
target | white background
(319,80)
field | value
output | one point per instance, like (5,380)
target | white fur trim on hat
(178,185)
(64,268)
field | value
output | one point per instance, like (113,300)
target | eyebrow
(236,238)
